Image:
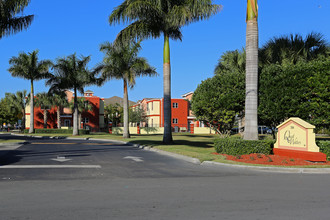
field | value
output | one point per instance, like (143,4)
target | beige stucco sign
(296,139)
(296,134)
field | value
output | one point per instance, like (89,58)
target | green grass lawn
(2,141)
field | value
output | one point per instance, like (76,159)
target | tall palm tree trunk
(23,119)
(167,138)
(251,95)
(45,118)
(31,130)
(75,114)
(58,110)
(126,116)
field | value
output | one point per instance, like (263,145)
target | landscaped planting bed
(271,160)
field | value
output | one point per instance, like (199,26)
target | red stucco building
(92,119)
(154,112)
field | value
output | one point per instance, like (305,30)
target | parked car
(264,130)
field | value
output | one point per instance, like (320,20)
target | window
(67,123)
(85,120)
(175,105)
(175,120)
(152,106)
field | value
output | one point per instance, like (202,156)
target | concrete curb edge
(205,163)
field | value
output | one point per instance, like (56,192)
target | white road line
(49,166)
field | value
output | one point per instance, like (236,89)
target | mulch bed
(271,160)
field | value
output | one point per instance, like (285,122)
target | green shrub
(324,147)
(57,131)
(235,146)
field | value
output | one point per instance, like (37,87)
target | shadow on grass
(193,143)
(200,144)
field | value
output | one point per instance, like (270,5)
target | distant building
(182,116)
(92,119)
(115,99)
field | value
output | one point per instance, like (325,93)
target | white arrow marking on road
(136,159)
(61,159)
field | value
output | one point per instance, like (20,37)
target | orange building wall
(180,113)
(93,115)
(39,118)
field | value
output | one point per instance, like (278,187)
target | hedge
(324,147)
(57,131)
(236,146)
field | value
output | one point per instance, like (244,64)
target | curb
(205,163)
(70,138)
(178,156)
(270,169)
(244,167)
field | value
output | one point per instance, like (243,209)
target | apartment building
(92,119)
(153,109)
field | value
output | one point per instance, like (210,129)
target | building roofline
(186,94)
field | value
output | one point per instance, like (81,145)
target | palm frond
(9,22)
(138,30)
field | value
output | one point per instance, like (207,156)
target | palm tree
(122,62)
(231,61)
(251,93)
(9,22)
(294,48)
(44,101)
(72,73)
(19,101)
(113,113)
(83,106)
(151,19)
(27,66)
(59,100)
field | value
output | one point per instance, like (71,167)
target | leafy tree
(300,90)
(8,114)
(19,101)
(136,116)
(113,113)
(28,66)
(151,19)
(219,99)
(9,22)
(122,62)
(44,101)
(72,73)
(251,94)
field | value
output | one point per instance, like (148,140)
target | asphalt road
(75,179)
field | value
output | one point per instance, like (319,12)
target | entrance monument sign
(296,139)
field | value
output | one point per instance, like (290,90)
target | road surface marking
(61,159)
(136,159)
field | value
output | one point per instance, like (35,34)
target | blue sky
(63,27)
